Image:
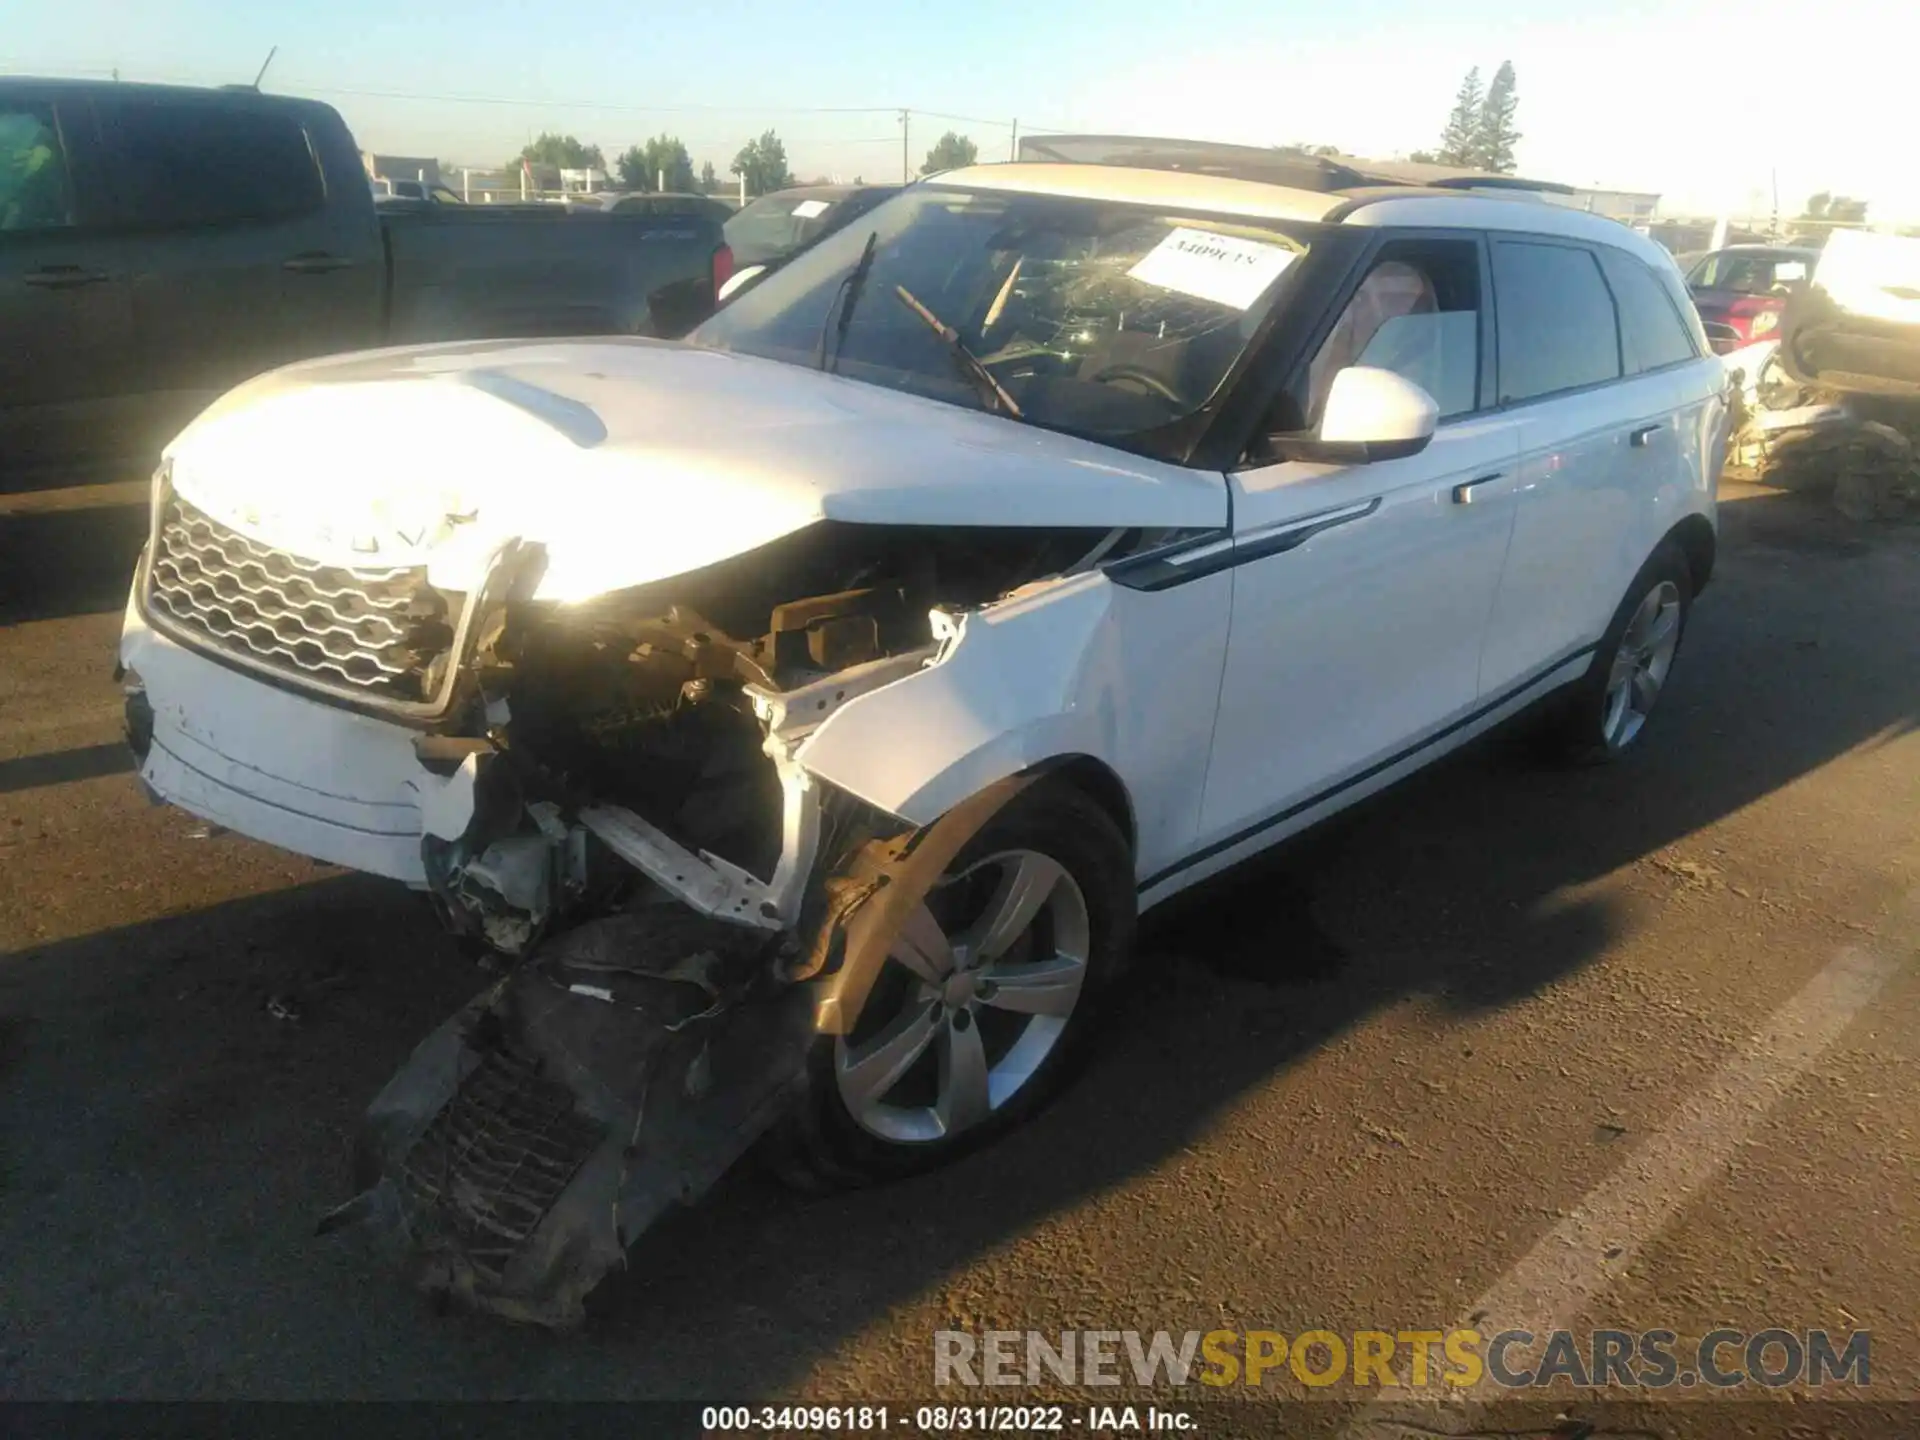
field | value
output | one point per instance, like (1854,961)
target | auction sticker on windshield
(807,209)
(1209,266)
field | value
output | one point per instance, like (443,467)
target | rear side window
(185,165)
(35,191)
(1556,327)
(1652,334)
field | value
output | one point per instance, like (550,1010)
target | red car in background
(1741,290)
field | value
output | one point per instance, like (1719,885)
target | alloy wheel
(1641,664)
(977,990)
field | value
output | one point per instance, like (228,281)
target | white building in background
(401,167)
(1629,207)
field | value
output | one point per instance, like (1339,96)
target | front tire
(984,1005)
(1608,709)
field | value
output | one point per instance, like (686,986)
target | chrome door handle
(1463,492)
(1641,437)
(315,264)
(63,277)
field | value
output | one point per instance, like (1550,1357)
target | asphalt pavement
(1632,1047)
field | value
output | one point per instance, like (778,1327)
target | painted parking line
(1553,1283)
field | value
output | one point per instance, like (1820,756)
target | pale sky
(1703,102)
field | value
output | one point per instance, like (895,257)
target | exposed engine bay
(623,831)
(603,741)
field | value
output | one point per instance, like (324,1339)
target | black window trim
(1329,315)
(1528,237)
(1593,248)
(1314,291)
(1627,257)
(122,221)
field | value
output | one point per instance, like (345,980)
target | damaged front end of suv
(685,908)
(579,715)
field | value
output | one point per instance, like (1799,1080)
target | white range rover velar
(808,709)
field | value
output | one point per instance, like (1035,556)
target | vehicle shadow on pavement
(86,762)
(166,1142)
(69,561)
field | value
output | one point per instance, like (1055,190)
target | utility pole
(906,166)
(1013,148)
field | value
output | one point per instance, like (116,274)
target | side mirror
(739,281)
(1370,414)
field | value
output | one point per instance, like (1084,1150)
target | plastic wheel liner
(619,1070)
(536,1133)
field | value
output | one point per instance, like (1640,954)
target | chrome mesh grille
(375,630)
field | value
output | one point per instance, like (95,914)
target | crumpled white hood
(628,460)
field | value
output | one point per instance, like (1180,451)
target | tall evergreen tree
(1493,145)
(1457,141)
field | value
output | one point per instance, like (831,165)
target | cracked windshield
(1090,317)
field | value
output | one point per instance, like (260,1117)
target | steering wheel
(1144,378)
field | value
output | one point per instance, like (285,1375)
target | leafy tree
(631,166)
(1496,135)
(640,166)
(952,151)
(563,152)
(762,162)
(1424,157)
(666,154)
(709,182)
(1459,142)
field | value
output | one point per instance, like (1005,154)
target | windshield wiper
(991,390)
(851,284)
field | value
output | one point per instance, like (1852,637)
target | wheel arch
(1695,536)
(1100,783)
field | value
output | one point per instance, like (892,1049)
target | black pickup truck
(159,245)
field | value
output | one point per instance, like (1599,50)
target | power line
(963,119)
(551,102)
(555,104)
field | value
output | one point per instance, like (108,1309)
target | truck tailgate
(505,272)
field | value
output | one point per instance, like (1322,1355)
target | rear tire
(1604,714)
(991,1010)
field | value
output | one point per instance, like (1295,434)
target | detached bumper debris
(620,1070)
(1858,449)
(536,1134)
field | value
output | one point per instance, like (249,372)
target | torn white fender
(1041,676)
